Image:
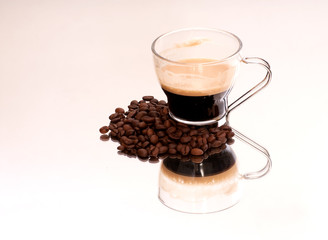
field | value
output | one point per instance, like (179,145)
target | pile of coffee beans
(146,130)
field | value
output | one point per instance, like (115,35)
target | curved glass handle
(258,87)
(268,165)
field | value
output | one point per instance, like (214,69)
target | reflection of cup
(209,186)
(196,69)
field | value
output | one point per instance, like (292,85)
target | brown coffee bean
(140,114)
(142,125)
(150,132)
(147,98)
(172,145)
(115,120)
(145,144)
(104,137)
(155,152)
(172,151)
(185,150)
(193,132)
(134,102)
(129,132)
(160,126)
(141,138)
(163,149)
(104,129)
(127,127)
(112,116)
(185,139)
(126,140)
(154,139)
(154,101)
(121,148)
(148,119)
(154,114)
(193,143)
(197,151)
(120,124)
(230,134)
(171,130)
(142,152)
(197,159)
(225,127)
(211,138)
(230,141)
(132,114)
(160,133)
(119,110)
(162,102)
(216,144)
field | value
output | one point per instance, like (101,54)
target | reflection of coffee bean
(146,130)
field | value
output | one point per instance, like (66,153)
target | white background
(66,65)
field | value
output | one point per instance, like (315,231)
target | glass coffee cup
(210,185)
(196,68)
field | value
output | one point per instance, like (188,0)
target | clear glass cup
(196,68)
(210,185)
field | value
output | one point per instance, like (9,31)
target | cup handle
(268,165)
(258,87)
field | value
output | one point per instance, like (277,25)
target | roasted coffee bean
(172,151)
(129,132)
(172,145)
(112,116)
(196,151)
(145,144)
(142,152)
(132,114)
(155,152)
(230,134)
(160,126)
(150,132)
(197,159)
(134,102)
(147,98)
(115,120)
(162,102)
(142,125)
(121,148)
(148,119)
(160,133)
(119,110)
(185,139)
(163,149)
(104,129)
(216,144)
(193,132)
(185,150)
(104,137)
(176,135)
(139,115)
(230,141)
(153,113)
(154,139)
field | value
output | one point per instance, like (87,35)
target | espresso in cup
(197,88)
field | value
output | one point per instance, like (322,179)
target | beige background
(66,65)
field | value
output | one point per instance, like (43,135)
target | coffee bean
(142,125)
(230,141)
(162,102)
(121,148)
(172,151)
(142,152)
(147,98)
(139,115)
(154,139)
(171,130)
(132,114)
(153,113)
(216,144)
(150,132)
(185,139)
(104,137)
(230,134)
(160,133)
(163,149)
(197,151)
(160,127)
(155,152)
(172,145)
(119,110)
(148,119)
(193,132)
(134,102)
(104,129)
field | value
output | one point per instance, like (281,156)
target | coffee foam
(189,193)
(197,77)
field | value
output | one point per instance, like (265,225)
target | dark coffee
(197,108)
(214,164)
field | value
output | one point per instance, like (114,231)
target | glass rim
(153,45)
